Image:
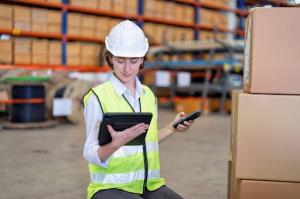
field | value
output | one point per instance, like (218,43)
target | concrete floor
(48,163)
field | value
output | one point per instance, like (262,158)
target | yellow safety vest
(128,166)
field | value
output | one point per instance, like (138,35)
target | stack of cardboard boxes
(22,18)
(6,16)
(265,116)
(118,6)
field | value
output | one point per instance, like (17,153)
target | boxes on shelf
(101,29)
(22,51)
(54,21)
(22,18)
(159,9)
(179,12)
(104,5)
(6,16)
(54,1)
(112,23)
(39,20)
(265,136)
(150,8)
(131,7)
(74,22)
(190,104)
(119,6)
(54,53)
(272,51)
(87,26)
(268,190)
(188,14)
(73,53)
(39,52)
(6,51)
(90,54)
(91,4)
(169,10)
(80,3)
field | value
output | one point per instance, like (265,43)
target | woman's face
(126,68)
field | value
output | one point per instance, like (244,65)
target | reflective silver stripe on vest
(154,174)
(123,177)
(152,146)
(131,150)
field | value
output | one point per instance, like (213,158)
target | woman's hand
(182,127)
(119,138)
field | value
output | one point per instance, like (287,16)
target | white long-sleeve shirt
(93,116)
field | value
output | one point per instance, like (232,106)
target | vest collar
(120,88)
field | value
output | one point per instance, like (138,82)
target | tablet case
(122,121)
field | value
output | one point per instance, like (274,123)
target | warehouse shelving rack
(140,18)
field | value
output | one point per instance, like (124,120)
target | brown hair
(108,56)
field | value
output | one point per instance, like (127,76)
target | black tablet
(121,121)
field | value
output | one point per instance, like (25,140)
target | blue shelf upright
(64,30)
(241,6)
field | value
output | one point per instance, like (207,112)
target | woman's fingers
(137,129)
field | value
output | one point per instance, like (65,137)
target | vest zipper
(144,151)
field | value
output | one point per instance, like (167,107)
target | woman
(118,170)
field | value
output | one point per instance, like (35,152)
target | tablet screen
(122,121)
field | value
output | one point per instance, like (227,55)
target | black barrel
(28,112)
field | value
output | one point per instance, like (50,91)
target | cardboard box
(119,6)
(88,21)
(6,16)
(6,51)
(91,4)
(54,17)
(22,14)
(54,28)
(80,3)
(87,26)
(54,53)
(22,25)
(22,50)
(104,5)
(265,137)
(5,46)
(22,45)
(132,7)
(190,104)
(73,53)
(39,27)
(269,190)
(39,15)
(40,46)
(39,52)
(101,29)
(6,23)
(272,51)
(39,58)
(54,1)
(74,20)
(6,11)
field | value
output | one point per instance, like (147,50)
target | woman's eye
(120,61)
(134,61)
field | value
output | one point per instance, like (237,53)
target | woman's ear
(110,59)
(142,60)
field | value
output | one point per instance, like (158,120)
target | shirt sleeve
(93,116)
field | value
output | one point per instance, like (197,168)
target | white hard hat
(126,39)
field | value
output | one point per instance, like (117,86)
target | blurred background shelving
(199,42)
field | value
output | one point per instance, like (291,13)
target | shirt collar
(120,88)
